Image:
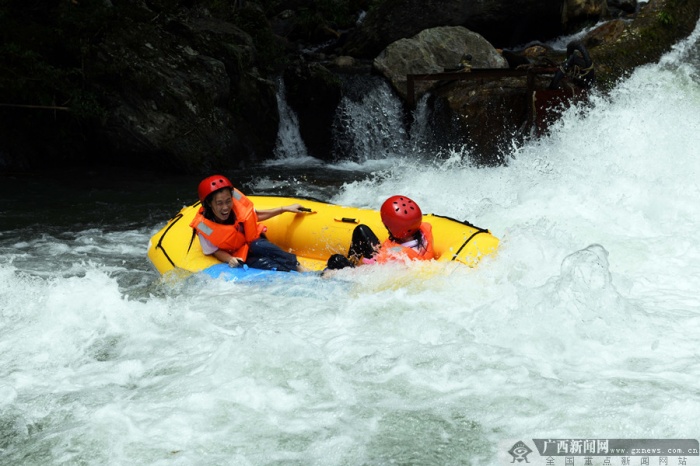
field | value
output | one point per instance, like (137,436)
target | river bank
(190,87)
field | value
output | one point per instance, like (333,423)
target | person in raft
(409,237)
(228,228)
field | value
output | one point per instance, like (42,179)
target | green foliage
(373,4)
(43,49)
(308,21)
(269,53)
(337,14)
(665,18)
(26,75)
(272,7)
(223,9)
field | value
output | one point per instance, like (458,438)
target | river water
(584,325)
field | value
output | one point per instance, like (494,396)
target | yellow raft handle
(347,220)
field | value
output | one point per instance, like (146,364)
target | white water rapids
(584,325)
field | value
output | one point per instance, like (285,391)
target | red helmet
(401,216)
(211,184)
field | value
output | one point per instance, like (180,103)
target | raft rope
(454,257)
(576,71)
(175,219)
(464,222)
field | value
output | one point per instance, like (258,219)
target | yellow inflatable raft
(313,236)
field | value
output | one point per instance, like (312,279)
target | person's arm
(269,213)
(211,250)
(223,256)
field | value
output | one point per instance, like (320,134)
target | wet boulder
(606,33)
(625,45)
(433,51)
(183,95)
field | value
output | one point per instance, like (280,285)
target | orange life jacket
(234,238)
(391,250)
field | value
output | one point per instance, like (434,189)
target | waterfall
(290,145)
(369,121)
(370,124)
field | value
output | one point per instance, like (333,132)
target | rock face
(575,12)
(504,23)
(431,51)
(188,85)
(313,92)
(185,99)
(656,27)
(173,89)
(486,115)
(618,7)
(482,114)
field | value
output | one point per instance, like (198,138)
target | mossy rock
(657,27)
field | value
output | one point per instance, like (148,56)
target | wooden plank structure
(475,73)
(540,101)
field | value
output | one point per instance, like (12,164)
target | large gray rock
(431,51)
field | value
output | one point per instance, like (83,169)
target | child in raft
(409,237)
(228,228)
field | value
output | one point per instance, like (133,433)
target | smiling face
(221,203)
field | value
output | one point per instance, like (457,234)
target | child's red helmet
(211,184)
(401,216)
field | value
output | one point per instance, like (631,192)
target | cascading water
(584,325)
(290,145)
(370,126)
(369,122)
